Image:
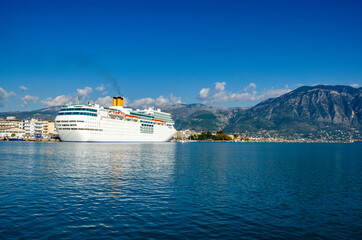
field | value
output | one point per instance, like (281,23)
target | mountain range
(313,112)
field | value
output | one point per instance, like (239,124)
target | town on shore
(12,129)
(220,136)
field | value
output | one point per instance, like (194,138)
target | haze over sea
(180,191)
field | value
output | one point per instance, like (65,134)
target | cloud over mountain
(29,98)
(83,93)
(105,101)
(57,101)
(151,102)
(249,93)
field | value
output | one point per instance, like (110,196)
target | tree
(209,135)
(202,136)
(220,135)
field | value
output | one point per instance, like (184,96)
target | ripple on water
(180,191)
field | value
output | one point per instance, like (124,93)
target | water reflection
(191,190)
(117,162)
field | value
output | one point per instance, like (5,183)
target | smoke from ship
(112,81)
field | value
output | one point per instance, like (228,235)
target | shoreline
(30,140)
(203,141)
(271,141)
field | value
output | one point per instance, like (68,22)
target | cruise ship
(94,123)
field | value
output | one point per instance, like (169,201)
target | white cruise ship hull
(91,129)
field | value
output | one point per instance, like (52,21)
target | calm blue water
(180,191)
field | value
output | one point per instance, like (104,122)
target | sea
(194,190)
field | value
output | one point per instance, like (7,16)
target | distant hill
(199,117)
(330,112)
(42,114)
(310,112)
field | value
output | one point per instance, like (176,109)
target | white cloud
(272,93)
(151,102)
(235,97)
(4,95)
(23,88)
(204,93)
(83,93)
(219,94)
(105,101)
(250,86)
(143,103)
(220,86)
(60,100)
(125,102)
(355,85)
(100,88)
(174,99)
(108,101)
(29,98)
(162,100)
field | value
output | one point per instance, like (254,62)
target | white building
(10,128)
(33,128)
(9,122)
(12,133)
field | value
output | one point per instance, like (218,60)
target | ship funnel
(119,101)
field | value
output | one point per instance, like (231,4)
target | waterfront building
(48,129)
(9,122)
(33,128)
(13,133)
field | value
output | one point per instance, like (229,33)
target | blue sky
(231,53)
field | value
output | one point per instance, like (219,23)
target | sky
(227,53)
